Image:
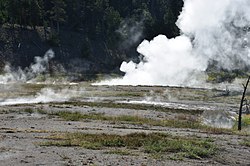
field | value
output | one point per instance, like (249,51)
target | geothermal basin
(34,115)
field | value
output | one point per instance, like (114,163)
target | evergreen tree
(112,20)
(3,11)
(36,12)
(58,13)
(96,18)
(13,9)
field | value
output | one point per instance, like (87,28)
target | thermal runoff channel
(211,32)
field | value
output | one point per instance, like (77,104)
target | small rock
(23,161)
(29,156)
(91,162)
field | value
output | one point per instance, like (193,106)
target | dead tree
(242,102)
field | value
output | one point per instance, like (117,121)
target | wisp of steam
(46,95)
(211,31)
(13,76)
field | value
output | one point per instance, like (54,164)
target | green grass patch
(77,116)
(34,87)
(214,130)
(28,110)
(245,123)
(154,143)
(224,75)
(245,120)
(41,111)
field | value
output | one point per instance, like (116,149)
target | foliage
(153,143)
(3,12)
(54,40)
(246,120)
(57,12)
(97,18)
(223,75)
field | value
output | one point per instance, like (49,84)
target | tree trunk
(45,29)
(241,103)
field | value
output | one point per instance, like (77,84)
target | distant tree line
(97,18)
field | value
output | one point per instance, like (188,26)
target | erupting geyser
(211,32)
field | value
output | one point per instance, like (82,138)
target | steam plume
(29,73)
(131,31)
(46,95)
(211,32)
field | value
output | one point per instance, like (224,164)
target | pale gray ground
(21,132)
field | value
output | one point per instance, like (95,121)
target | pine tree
(13,9)
(35,12)
(3,11)
(58,13)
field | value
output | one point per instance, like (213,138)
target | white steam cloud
(219,119)
(131,32)
(41,65)
(47,95)
(211,31)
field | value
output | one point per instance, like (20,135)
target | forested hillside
(93,35)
